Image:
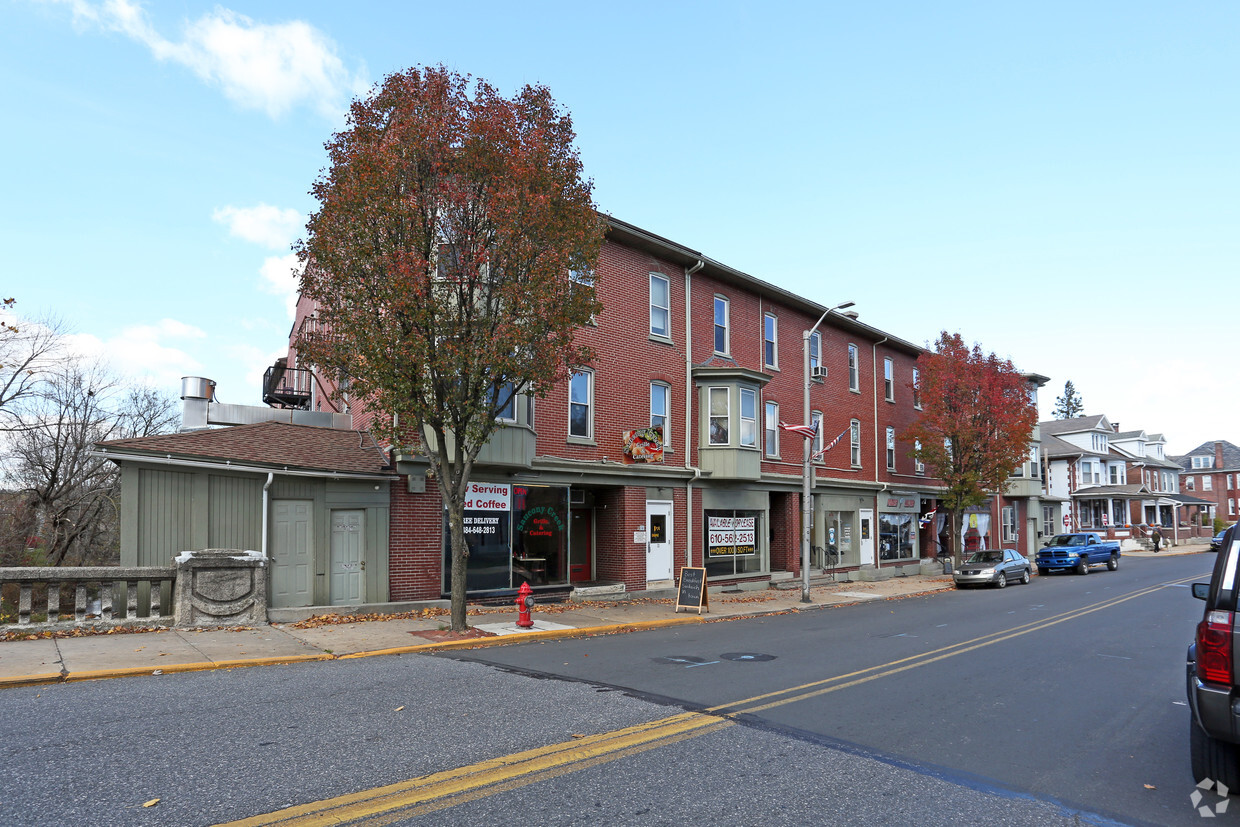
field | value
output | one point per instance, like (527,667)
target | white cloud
(270,67)
(144,352)
(264,224)
(282,277)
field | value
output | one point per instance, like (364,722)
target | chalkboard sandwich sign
(691,593)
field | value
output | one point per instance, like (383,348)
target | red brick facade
(766,484)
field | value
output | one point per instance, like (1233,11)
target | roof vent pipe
(197,394)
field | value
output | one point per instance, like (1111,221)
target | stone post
(220,587)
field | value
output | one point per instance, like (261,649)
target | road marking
(429,793)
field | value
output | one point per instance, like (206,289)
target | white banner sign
(488,496)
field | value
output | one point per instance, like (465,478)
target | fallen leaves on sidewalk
(78,631)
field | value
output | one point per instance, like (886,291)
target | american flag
(926,518)
(807,431)
(834,442)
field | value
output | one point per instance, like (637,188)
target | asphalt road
(1060,702)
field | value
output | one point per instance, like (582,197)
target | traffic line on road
(445,789)
(417,796)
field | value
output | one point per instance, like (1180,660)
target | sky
(1058,182)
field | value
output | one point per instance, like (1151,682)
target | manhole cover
(746,656)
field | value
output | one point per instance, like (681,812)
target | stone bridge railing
(212,587)
(116,590)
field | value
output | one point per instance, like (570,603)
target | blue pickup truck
(1077,551)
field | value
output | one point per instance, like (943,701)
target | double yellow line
(417,796)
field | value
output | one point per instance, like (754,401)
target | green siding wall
(235,514)
(165,515)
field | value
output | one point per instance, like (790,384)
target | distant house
(1211,472)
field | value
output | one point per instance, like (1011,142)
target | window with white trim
(1048,520)
(504,396)
(721,325)
(660,306)
(854,368)
(891,449)
(1229,485)
(1008,518)
(1231,507)
(771,427)
(581,405)
(719,405)
(917,389)
(1203,462)
(854,443)
(889,381)
(1115,476)
(918,466)
(815,420)
(770,352)
(660,404)
(815,351)
(1207,482)
(1190,484)
(749,418)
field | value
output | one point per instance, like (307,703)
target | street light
(807,507)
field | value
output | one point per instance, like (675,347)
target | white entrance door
(348,560)
(866,541)
(292,553)
(658,540)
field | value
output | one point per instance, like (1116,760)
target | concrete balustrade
(118,590)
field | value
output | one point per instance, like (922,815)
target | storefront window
(841,546)
(515,534)
(539,535)
(895,536)
(733,543)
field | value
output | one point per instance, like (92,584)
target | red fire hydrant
(525,601)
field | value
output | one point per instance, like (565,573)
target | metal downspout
(697,472)
(878,551)
(266,508)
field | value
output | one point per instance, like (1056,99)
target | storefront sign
(488,496)
(643,445)
(730,536)
(691,591)
(904,503)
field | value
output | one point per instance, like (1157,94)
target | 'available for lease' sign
(730,536)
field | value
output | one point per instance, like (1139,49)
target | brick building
(712,357)
(1211,472)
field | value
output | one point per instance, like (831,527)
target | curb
(474,643)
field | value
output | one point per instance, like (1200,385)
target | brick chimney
(1218,455)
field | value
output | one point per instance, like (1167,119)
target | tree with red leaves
(976,423)
(451,260)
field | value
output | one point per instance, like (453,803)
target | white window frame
(665,309)
(1007,517)
(891,449)
(1190,484)
(748,436)
(666,414)
(889,379)
(512,402)
(722,304)
(854,369)
(588,404)
(712,394)
(917,388)
(770,340)
(815,351)
(770,434)
(815,421)
(1231,507)
(854,443)
(919,467)
(1207,482)
(1048,520)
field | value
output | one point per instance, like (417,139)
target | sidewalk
(92,657)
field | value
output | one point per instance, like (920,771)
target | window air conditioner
(818,372)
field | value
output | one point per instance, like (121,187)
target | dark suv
(1214,672)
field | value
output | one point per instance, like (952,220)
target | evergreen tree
(1069,406)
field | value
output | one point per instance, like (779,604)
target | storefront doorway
(658,540)
(581,546)
(866,547)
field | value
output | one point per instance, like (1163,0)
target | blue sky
(1057,181)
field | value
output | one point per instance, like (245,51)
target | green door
(292,553)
